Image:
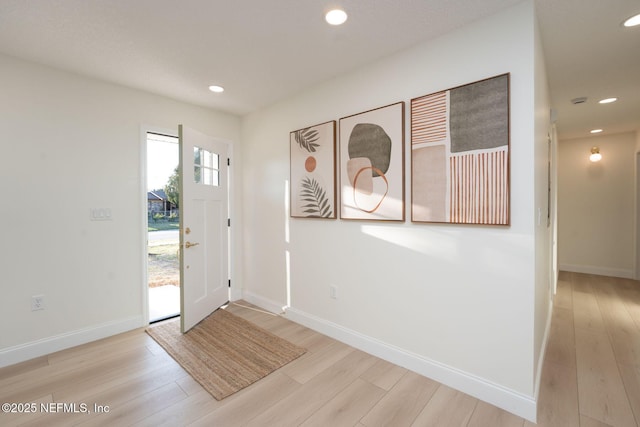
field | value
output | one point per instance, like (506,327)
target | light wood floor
(591,377)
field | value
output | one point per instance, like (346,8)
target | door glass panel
(206,167)
(206,179)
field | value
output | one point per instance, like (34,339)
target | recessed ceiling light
(336,17)
(633,21)
(596,131)
(607,100)
(216,89)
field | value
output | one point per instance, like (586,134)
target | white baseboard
(235,294)
(502,397)
(30,350)
(599,271)
(262,302)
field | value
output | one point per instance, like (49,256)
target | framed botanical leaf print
(312,189)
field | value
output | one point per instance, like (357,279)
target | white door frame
(144,289)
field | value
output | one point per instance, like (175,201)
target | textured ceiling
(262,51)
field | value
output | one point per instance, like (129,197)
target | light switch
(100,214)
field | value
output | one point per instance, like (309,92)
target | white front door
(204,278)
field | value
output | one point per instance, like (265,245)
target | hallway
(591,373)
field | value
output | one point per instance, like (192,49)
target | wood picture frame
(372,164)
(460,154)
(312,185)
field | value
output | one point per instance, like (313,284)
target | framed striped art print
(460,154)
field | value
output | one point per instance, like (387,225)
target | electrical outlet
(333,292)
(37,302)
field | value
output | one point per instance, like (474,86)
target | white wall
(453,302)
(545,220)
(597,205)
(637,211)
(69,144)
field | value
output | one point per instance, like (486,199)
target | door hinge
(228,222)
(229,282)
(228,161)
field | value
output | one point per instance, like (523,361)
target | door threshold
(160,319)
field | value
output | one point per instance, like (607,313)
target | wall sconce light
(595,155)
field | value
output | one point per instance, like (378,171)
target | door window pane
(206,167)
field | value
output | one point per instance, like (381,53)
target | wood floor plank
(287,329)
(564,295)
(116,397)
(310,364)
(242,407)
(316,342)
(565,275)
(24,367)
(297,407)
(348,406)
(128,374)
(631,378)
(590,422)
(97,350)
(137,409)
(586,312)
(251,313)
(296,334)
(629,292)
(488,415)
(51,378)
(558,399)
(20,418)
(189,385)
(155,348)
(182,412)
(384,374)
(276,324)
(447,408)
(111,374)
(621,328)
(561,347)
(403,402)
(601,393)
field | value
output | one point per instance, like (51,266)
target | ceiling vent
(581,100)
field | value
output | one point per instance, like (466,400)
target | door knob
(188,244)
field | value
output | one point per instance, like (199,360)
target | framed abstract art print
(372,164)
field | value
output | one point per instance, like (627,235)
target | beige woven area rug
(224,352)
